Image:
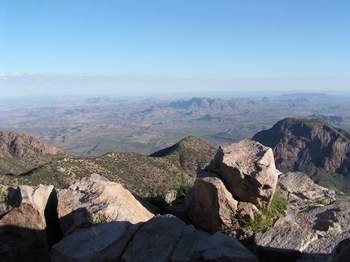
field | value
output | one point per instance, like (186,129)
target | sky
(149,46)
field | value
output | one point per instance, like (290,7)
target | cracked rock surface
(314,224)
(238,182)
(163,238)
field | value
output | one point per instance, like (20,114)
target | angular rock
(155,240)
(211,206)
(23,228)
(96,200)
(166,238)
(103,242)
(247,211)
(248,170)
(299,187)
(197,245)
(313,230)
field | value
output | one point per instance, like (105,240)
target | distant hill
(191,154)
(20,152)
(146,176)
(310,145)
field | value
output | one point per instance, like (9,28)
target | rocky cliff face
(24,145)
(308,145)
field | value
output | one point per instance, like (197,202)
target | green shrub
(182,186)
(269,215)
(3,193)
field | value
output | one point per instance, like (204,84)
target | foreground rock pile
(239,181)
(98,220)
(314,224)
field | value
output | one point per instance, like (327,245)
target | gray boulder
(94,200)
(314,223)
(163,238)
(248,170)
(166,238)
(299,188)
(103,242)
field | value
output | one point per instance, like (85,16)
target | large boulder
(248,170)
(211,205)
(314,223)
(103,242)
(163,238)
(167,238)
(94,200)
(23,228)
(299,187)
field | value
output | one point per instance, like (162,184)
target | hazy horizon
(137,48)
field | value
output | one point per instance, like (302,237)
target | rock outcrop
(299,188)
(240,180)
(248,170)
(314,223)
(24,145)
(23,227)
(163,238)
(95,200)
(307,145)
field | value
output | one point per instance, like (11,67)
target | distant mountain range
(98,125)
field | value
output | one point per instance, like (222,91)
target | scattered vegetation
(100,218)
(268,216)
(183,185)
(3,193)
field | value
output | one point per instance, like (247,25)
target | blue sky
(175,40)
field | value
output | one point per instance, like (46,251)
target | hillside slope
(191,154)
(146,176)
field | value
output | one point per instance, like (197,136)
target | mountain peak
(309,145)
